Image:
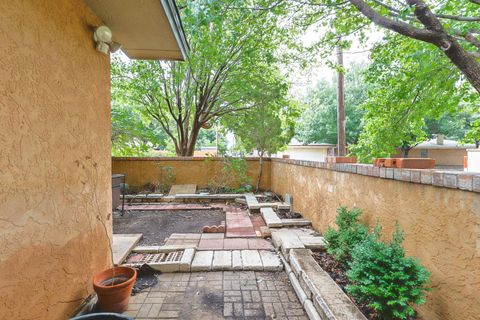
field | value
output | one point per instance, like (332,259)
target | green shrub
(383,277)
(165,180)
(350,232)
(232,176)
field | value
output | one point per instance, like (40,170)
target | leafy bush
(165,180)
(383,277)
(232,176)
(349,233)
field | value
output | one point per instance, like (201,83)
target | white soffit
(146,29)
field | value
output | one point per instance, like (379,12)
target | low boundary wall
(438,211)
(188,170)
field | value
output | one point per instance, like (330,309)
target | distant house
(445,152)
(314,151)
(205,152)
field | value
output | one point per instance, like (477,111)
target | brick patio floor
(218,295)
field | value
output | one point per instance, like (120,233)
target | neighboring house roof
(295,143)
(311,146)
(447,144)
(149,29)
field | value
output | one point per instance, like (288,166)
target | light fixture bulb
(103,34)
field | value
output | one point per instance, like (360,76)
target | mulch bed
(285,214)
(336,271)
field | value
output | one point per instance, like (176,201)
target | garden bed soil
(158,225)
(338,274)
(286,214)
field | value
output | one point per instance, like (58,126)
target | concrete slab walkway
(122,245)
(219,295)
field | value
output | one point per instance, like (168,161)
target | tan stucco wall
(141,171)
(442,226)
(54,160)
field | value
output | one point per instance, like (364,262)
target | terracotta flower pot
(114,293)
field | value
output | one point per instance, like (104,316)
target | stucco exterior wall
(199,171)
(55,168)
(442,226)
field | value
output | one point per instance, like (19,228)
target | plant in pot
(114,285)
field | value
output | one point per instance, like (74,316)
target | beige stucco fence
(439,213)
(194,170)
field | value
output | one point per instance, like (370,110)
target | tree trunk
(465,61)
(188,144)
(404,152)
(260,170)
(433,33)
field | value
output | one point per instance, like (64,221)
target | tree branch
(397,26)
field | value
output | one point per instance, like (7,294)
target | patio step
(252,202)
(230,260)
(271,218)
(122,245)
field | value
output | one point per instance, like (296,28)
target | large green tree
(451,28)
(232,66)
(409,92)
(318,123)
(266,129)
(133,134)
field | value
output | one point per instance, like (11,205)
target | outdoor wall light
(103,38)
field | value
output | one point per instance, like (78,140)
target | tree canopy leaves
(232,66)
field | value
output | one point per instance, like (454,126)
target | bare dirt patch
(158,225)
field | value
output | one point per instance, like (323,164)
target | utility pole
(341,140)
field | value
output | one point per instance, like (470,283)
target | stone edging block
(328,298)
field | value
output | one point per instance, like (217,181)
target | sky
(301,81)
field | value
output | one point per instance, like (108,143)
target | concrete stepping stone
(295,222)
(252,202)
(251,260)
(122,245)
(222,260)
(210,244)
(286,240)
(187,259)
(271,218)
(183,189)
(235,243)
(313,242)
(277,205)
(271,261)
(237,260)
(202,261)
(259,244)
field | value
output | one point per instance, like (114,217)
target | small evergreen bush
(383,277)
(349,233)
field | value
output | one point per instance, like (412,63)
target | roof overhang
(146,29)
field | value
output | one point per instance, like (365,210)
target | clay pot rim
(99,277)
